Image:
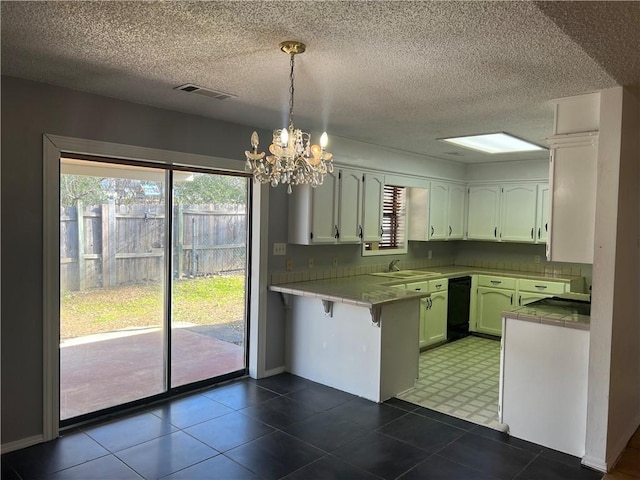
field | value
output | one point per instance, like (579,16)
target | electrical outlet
(310,263)
(429,254)
(536,259)
(335,262)
(289,265)
(279,248)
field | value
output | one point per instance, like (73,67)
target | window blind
(393,217)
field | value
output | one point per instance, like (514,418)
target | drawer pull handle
(496,282)
(542,287)
(439,285)
(418,288)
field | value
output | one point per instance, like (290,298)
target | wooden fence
(121,244)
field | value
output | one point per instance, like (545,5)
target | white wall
(613,411)
(495,172)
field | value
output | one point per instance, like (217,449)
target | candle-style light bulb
(324,139)
(284,137)
(254,140)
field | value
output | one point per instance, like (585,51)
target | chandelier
(293,160)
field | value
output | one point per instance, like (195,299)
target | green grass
(201,301)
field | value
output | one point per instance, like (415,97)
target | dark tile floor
(288,427)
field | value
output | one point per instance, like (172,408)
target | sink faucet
(393,266)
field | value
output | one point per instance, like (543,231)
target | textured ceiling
(392,73)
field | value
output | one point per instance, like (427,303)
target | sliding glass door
(152,282)
(208,311)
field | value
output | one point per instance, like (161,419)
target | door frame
(53,147)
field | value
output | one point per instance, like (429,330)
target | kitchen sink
(405,274)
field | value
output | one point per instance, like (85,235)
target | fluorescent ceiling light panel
(493,143)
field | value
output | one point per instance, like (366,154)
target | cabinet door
(324,222)
(491,303)
(438,228)
(436,319)
(542,213)
(518,213)
(350,206)
(372,207)
(573,201)
(525,298)
(483,212)
(456,211)
(418,213)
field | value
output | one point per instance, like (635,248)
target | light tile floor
(461,379)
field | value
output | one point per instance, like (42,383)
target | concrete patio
(103,371)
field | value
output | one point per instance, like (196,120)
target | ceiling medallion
(293,160)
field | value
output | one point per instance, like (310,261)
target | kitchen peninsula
(544,369)
(357,334)
(360,333)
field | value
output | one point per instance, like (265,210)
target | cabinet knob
(495,232)
(538,233)
(532,234)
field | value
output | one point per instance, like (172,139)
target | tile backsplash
(502,256)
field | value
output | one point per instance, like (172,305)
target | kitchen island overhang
(360,337)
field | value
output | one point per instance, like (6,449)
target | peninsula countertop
(556,313)
(373,289)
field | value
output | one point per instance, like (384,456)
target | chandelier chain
(291,90)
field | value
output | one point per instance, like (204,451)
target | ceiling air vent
(191,88)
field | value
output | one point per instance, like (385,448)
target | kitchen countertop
(559,314)
(371,290)
(361,290)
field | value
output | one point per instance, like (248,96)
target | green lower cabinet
(491,303)
(525,298)
(433,319)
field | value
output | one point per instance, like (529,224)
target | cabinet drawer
(538,286)
(496,282)
(421,286)
(438,285)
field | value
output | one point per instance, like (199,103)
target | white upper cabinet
(542,213)
(372,207)
(483,212)
(456,211)
(350,189)
(518,213)
(313,213)
(436,212)
(572,179)
(346,208)
(573,199)
(438,225)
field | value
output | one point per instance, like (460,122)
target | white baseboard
(20,444)
(274,371)
(595,463)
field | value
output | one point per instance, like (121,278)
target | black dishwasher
(458,308)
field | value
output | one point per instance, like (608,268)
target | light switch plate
(289,265)
(279,248)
